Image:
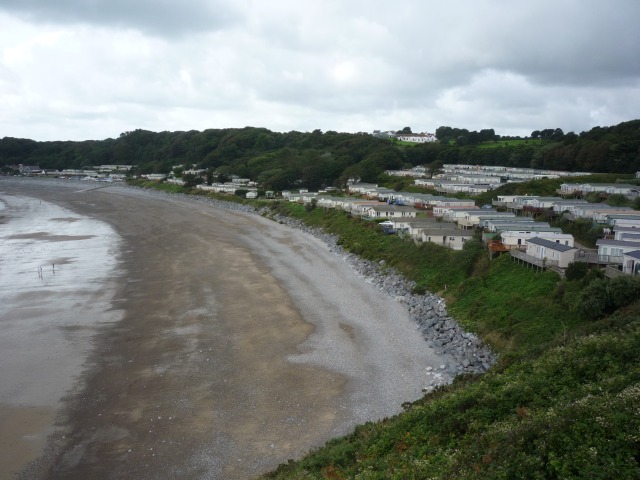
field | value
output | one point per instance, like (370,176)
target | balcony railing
(586,257)
(613,272)
(538,262)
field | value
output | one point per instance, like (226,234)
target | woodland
(319,159)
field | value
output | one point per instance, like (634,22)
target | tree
(435,168)
(191,180)
(617,200)
(444,134)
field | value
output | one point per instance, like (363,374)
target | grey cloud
(162,18)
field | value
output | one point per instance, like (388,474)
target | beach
(213,343)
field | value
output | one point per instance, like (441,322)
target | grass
(155,185)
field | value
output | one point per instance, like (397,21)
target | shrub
(594,300)
(308,207)
(623,290)
(576,271)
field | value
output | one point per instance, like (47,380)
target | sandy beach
(229,344)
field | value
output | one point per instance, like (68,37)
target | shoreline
(48,257)
(307,365)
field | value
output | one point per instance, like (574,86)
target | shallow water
(55,292)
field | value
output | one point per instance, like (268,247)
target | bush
(309,207)
(623,291)
(594,300)
(576,271)
(602,296)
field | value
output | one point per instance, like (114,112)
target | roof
(617,243)
(453,232)
(549,244)
(630,236)
(547,199)
(392,208)
(422,221)
(619,185)
(627,229)
(634,254)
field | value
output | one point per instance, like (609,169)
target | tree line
(320,159)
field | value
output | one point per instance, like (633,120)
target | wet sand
(242,344)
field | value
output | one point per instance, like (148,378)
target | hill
(319,159)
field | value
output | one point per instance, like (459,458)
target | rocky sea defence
(467,353)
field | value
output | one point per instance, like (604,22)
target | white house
(519,239)
(623,220)
(453,239)
(525,229)
(552,252)
(602,216)
(585,210)
(474,218)
(388,211)
(492,224)
(543,202)
(361,188)
(416,226)
(451,214)
(631,262)
(570,189)
(620,232)
(504,200)
(417,137)
(611,251)
(561,206)
(609,188)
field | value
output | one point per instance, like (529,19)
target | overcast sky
(92,69)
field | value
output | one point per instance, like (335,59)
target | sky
(93,69)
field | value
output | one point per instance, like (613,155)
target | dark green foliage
(317,159)
(623,290)
(576,271)
(311,205)
(617,200)
(601,296)
(594,300)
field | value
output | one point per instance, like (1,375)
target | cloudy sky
(91,69)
